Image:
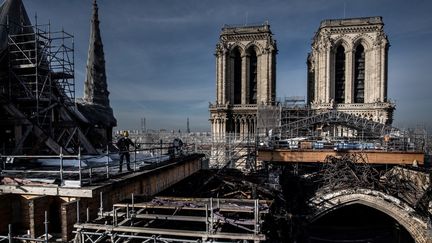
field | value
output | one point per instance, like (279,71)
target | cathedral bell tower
(245,78)
(347,68)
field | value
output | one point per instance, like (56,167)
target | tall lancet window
(252,76)
(359,74)
(340,75)
(237,75)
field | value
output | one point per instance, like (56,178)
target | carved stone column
(383,74)
(328,76)
(224,125)
(262,78)
(223,77)
(244,85)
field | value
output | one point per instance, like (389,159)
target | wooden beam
(319,156)
(23,138)
(38,132)
(64,113)
(46,190)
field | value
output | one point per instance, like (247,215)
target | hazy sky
(160,53)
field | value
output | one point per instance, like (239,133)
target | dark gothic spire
(13,16)
(96,90)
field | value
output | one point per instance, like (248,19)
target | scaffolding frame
(38,93)
(193,219)
(41,71)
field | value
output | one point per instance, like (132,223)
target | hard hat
(125,133)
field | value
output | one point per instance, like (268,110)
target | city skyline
(160,63)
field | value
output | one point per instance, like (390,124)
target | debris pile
(348,171)
(409,184)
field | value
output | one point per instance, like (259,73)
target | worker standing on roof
(123,146)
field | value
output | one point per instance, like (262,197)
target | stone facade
(347,68)
(245,77)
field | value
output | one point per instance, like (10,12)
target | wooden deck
(319,156)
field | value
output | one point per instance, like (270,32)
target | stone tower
(245,78)
(347,68)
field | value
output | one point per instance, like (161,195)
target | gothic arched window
(253,61)
(359,74)
(340,75)
(237,75)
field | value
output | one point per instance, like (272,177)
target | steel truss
(334,117)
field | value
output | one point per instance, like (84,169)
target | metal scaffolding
(37,92)
(168,219)
(232,151)
(41,71)
(337,118)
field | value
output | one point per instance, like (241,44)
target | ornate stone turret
(96,90)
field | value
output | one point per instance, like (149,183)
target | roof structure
(13,20)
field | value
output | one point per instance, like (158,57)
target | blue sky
(160,53)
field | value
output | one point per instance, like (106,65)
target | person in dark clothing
(123,146)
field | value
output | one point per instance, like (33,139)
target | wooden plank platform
(319,156)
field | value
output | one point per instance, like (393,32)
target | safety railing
(78,170)
(10,237)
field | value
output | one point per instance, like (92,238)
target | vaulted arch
(393,207)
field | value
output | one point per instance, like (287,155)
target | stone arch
(238,45)
(404,214)
(344,41)
(363,39)
(257,47)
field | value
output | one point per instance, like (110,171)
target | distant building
(347,68)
